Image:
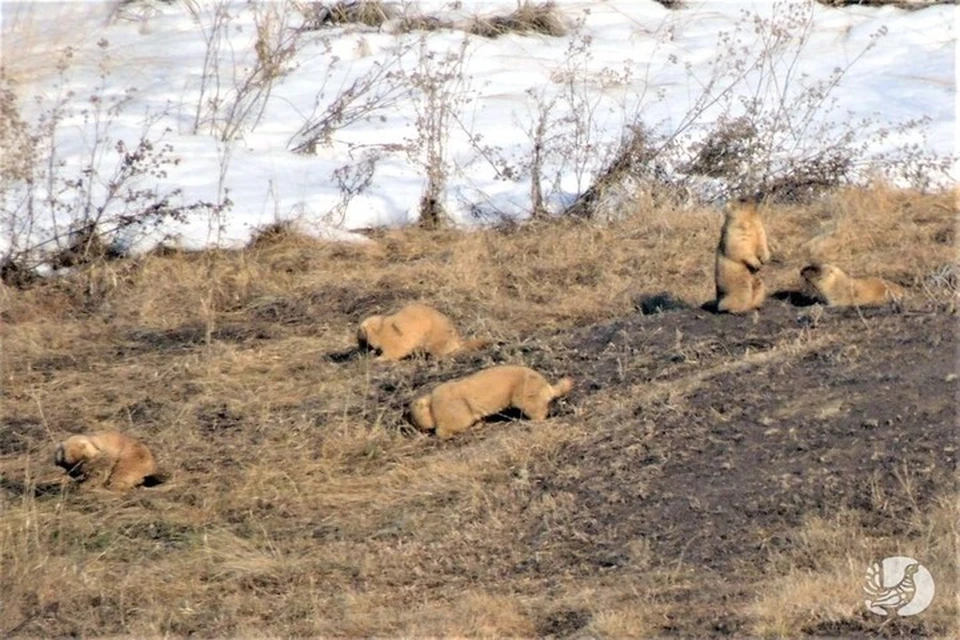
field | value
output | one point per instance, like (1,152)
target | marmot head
(421,414)
(73,452)
(739,208)
(818,272)
(369,327)
(811,272)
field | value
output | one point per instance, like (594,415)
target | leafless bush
(538,138)
(135,10)
(543,18)
(759,125)
(352,180)
(568,132)
(65,215)
(233,96)
(367,95)
(19,157)
(726,149)
(440,91)
(734,150)
(634,163)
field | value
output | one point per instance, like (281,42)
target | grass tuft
(370,13)
(543,18)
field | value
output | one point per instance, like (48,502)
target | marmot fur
(415,328)
(454,406)
(742,251)
(116,460)
(835,288)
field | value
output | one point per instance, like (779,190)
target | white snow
(638,59)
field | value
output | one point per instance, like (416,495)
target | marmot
(454,406)
(741,252)
(117,460)
(835,288)
(415,328)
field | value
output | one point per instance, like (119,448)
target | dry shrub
(735,151)
(371,13)
(633,168)
(418,22)
(17,162)
(543,18)
(899,4)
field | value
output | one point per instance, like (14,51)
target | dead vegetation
(910,5)
(370,13)
(543,18)
(670,4)
(759,463)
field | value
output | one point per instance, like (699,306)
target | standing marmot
(117,460)
(740,254)
(415,328)
(454,406)
(835,288)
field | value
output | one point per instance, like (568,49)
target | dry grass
(418,22)
(543,18)
(820,577)
(302,504)
(370,13)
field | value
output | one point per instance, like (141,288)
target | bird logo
(898,586)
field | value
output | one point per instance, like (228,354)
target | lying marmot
(119,461)
(415,328)
(454,406)
(741,252)
(835,288)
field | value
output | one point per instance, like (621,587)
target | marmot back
(454,406)
(110,458)
(833,287)
(415,328)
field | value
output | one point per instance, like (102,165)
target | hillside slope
(709,475)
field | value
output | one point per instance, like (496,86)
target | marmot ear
(90,447)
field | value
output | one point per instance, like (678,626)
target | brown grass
(818,577)
(419,22)
(370,13)
(543,18)
(302,504)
